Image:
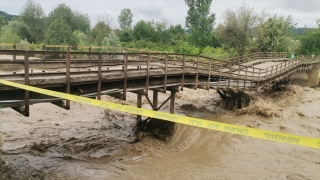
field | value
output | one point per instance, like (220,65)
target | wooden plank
(26,82)
(229,76)
(43,56)
(14,55)
(125,76)
(148,73)
(165,71)
(209,73)
(99,76)
(155,100)
(197,74)
(172,102)
(245,79)
(183,71)
(259,79)
(139,104)
(89,55)
(238,76)
(220,75)
(68,78)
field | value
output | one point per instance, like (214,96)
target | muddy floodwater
(89,142)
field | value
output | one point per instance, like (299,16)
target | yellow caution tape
(229,128)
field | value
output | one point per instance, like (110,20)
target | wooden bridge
(93,73)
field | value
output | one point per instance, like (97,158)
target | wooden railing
(228,71)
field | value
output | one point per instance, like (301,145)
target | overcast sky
(304,12)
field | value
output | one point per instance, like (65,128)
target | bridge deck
(123,72)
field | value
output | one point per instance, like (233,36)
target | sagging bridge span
(92,74)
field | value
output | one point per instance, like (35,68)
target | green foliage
(125,19)
(98,33)
(218,53)
(111,40)
(145,31)
(186,48)
(237,26)
(60,33)
(9,37)
(176,34)
(8,17)
(18,27)
(75,20)
(82,22)
(33,17)
(126,35)
(274,34)
(82,38)
(200,21)
(3,22)
(310,42)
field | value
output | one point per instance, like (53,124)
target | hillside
(7,16)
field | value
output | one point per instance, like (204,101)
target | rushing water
(196,153)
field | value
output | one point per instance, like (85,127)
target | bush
(9,37)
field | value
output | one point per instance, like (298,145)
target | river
(83,145)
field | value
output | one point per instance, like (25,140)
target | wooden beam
(99,76)
(155,100)
(148,74)
(172,102)
(209,73)
(139,105)
(125,76)
(183,71)
(26,82)
(68,77)
(166,72)
(197,74)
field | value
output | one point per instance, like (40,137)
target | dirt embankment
(92,143)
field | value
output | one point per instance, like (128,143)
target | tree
(18,27)
(82,37)
(99,32)
(310,42)
(60,33)
(237,27)
(199,21)
(146,31)
(274,34)
(33,17)
(9,37)
(126,35)
(75,20)
(107,18)
(3,22)
(111,40)
(82,22)
(125,19)
(176,34)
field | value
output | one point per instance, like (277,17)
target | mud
(88,142)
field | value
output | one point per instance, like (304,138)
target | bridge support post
(14,55)
(155,100)
(139,103)
(172,102)
(68,77)
(99,77)
(26,82)
(183,68)
(89,55)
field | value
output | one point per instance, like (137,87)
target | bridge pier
(308,78)
(155,127)
(234,99)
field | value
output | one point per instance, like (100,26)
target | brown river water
(88,142)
